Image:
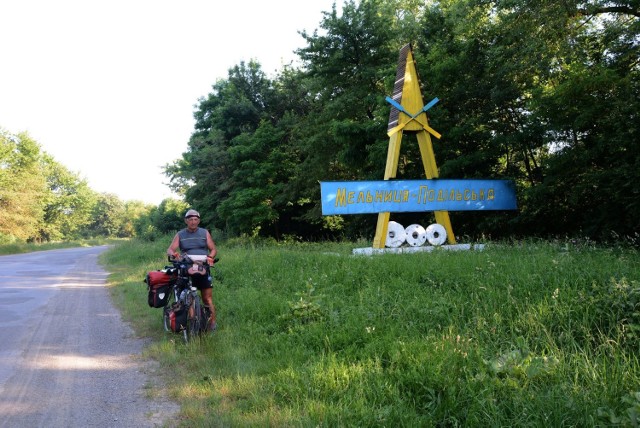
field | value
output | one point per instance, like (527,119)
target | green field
(519,334)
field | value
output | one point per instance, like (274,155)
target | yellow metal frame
(419,125)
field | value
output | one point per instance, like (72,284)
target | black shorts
(201,282)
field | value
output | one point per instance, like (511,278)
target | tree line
(542,93)
(41,200)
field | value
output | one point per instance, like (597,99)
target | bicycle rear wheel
(165,312)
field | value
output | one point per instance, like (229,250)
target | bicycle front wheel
(195,322)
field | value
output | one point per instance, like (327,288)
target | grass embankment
(515,335)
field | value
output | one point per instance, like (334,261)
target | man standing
(196,241)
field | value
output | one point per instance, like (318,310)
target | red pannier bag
(177,317)
(159,285)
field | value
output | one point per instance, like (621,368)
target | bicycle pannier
(178,317)
(158,297)
(159,286)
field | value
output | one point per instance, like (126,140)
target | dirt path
(66,357)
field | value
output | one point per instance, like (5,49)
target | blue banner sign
(367,197)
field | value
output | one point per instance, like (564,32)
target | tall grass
(525,334)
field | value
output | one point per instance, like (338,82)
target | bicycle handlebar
(184,258)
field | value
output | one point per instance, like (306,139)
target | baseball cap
(192,213)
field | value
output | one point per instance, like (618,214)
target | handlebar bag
(159,287)
(198,269)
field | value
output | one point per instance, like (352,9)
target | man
(196,241)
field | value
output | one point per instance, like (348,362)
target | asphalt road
(66,357)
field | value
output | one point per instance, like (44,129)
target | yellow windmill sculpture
(409,114)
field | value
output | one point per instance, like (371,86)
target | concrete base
(426,248)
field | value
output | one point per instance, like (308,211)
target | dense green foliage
(544,93)
(521,334)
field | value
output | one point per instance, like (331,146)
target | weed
(305,310)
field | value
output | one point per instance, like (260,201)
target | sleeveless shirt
(194,243)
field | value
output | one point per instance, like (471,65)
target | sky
(108,88)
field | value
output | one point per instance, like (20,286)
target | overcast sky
(108,88)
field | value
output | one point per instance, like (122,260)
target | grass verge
(24,247)
(525,334)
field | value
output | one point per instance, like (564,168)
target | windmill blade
(398,85)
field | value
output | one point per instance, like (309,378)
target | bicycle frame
(186,294)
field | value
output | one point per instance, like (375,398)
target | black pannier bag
(159,285)
(158,297)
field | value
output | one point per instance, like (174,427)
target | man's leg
(207,298)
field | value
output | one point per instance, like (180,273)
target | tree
(107,218)
(588,101)
(233,108)
(153,222)
(259,174)
(135,212)
(68,204)
(23,187)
